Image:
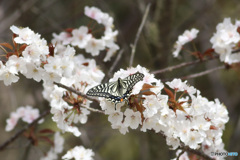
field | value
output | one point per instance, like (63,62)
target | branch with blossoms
(188,121)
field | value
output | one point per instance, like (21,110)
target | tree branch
(77,92)
(93,110)
(20,132)
(202,73)
(138,34)
(186,148)
(197,152)
(115,62)
(168,69)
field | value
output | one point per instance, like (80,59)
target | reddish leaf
(169,92)
(14,43)
(22,48)
(146,89)
(46,131)
(85,64)
(10,54)
(209,52)
(147,86)
(7,45)
(51,49)
(45,138)
(213,127)
(198,55)
(69,30)
(179,107)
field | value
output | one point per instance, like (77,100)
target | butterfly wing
(101,90)
(131,80)
(118,90)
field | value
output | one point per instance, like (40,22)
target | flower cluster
(27,114)
(55,149)
(63,104)
(30,60)
(174,109)
(79,153)
(182,115)
(84,39)
(37,62)
(186,37)
(225,40)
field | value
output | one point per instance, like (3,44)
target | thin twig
(197,152)
(168,69)
(115,62)
(93,110)
(10,19)
(180,154)
(186,148)
(20,132)
(77,92)
(138,34)
(202,73)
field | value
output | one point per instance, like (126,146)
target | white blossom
(79,153)
(223,41)
(186,37)
(80,37)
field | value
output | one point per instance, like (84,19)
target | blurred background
(167,19)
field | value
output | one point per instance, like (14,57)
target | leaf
(7,45)
(22,48)
(69,30)
(51,49)
(46,131)
(85,64)
(208,52)
(14,43)
(169,92)
(213,127)
(45,138)
(146,89)
(179,107)
(198,55)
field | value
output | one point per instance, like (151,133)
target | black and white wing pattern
(116,91)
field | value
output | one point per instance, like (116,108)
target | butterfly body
(117,91)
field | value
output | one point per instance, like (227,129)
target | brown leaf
(179,107)
(213,127)
(22,48)
(85,64)
(45,138)
(7,45)
(209,52)
(169,93)
(146,89)
(46,131)
(69,30)
(14,43)
(51,49)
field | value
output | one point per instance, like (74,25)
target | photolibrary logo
(224,154)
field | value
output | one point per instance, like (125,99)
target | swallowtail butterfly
(116,91)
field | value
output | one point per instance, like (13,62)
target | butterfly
(117,91)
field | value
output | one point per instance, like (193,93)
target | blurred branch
(138,34)
(9,20)
(168,69)
(202,73)
(115,62)
(197,152)
(20,132)
(186,148)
